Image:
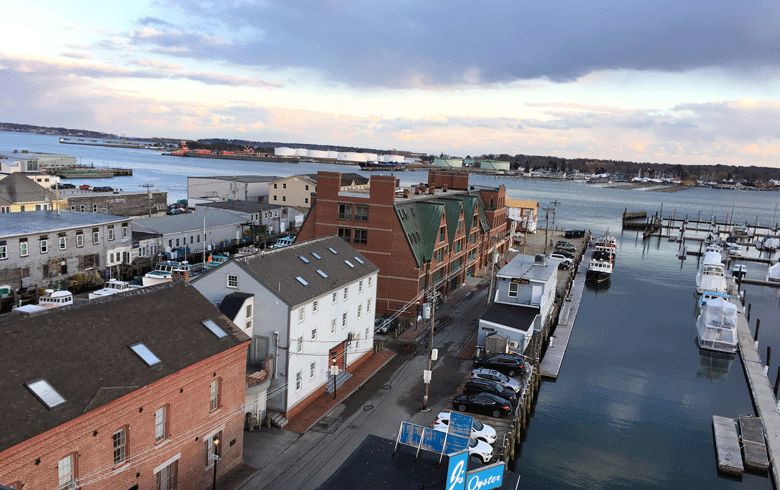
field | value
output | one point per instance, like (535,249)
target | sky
(657,81)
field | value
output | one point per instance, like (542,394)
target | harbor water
(633,405)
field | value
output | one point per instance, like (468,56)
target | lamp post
(215,457)
(334,371)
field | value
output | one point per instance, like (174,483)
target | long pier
(760,388)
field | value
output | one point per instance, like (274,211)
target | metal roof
(512,316)
(24,223)
(241,206)
(526,267)
(187,222)
(18,188)
(247,179)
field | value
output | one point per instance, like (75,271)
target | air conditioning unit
(351,336)
(513,345)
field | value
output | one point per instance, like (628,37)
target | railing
(261,373)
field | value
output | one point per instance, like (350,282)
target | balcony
(258,372)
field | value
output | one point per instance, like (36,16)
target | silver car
(499,378)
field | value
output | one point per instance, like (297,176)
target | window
(284,185)
(298,381)
(369,282)
(65,471)
(120,441)
(248,325)
(3,251)
(83,208)
(94,208)
(124,230)
(95,237)
(170,243)
(160,424)
(333,326)
(360,310)
(314,306)
(344,234)
(212,449)
(6,209)
(345,211)
(301,314)
(79,239)
(360,286)
(111,232)
(335,297)
(37,207)
(314,334)
(441,234)
(346,293)
(361,213)
(276,186)
(312,369)
(44,246)
(284,198)
(214,396)
(368,305)
(306,200)
(177,241)
(274,198)
(23,248)
(63,243)
(299,348)
(513,288)
(152,249)
(248,311)
(343,321)
(232,281)
(168,476)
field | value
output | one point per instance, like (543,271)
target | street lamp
(215,457)
(334,371)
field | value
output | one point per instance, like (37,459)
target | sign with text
(433,440)
(460,425)
(410,434)
(456,470)
(486,478)
(455,443)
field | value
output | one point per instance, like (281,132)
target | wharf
(727,445)
(553,356)
(753,444)
(760,388)
(509,428)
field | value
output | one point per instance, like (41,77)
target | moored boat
(112,286)
(50,299)
(711,275)
(599,268)
(716,326)
(165,272)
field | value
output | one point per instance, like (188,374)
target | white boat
(773,274)
(165,272)
(599,268)
(50,300)
(113,286)
(717,326)
(708,295)
(739,271)
(712,274)
(606,244)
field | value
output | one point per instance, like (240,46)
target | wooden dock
(760,388)
(727,445)
(553,357)
(753,444)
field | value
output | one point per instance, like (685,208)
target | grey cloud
(154,21)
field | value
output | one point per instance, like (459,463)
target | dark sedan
(507,364)
(478,385)
(483,403)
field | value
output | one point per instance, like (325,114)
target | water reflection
(714,365)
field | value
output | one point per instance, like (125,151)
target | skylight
(304,259)
(145,354)
(321,273)
(45,393)
(302,280)
(334,252)
(359,260)
(214,328)
(316,256)
(349,263)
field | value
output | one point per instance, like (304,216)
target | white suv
(479,430)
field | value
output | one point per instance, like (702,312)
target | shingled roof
(83,352)
(18,188)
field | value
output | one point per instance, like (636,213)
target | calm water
(634,403)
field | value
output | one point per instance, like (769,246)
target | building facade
(431,236)
(228,188)
(132,401)
(261,218)
(130,204)
(524,213)
(41,248)
(315,304)
(19,192)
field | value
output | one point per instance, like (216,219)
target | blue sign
(460,424)
(411,434)
(455,444)
(456,471)
(433,440)
(485,478)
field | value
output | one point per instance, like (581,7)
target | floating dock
(553,357)
(753,444)
(727,445)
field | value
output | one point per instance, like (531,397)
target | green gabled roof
(469,202)
(420,221)
(452,208)
(483,219)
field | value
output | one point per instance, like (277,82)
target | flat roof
(249,179)
(27,222)
(525,266)
(512,316)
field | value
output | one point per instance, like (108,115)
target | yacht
(51,299)
(600,267)
(113,286)
(607,244)
(717,326)
(165,272)
(712,274)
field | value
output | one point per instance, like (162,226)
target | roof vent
(539,259)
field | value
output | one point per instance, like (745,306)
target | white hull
(717,326)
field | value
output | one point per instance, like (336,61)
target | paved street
(294,461)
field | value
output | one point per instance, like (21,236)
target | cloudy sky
(654,81)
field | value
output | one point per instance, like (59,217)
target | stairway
(278,420)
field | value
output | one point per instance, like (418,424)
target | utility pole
(555,206)
(427,373)
(546,226)
(149,197)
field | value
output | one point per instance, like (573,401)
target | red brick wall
(89,437)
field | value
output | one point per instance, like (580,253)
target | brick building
(436,233)
(127,391)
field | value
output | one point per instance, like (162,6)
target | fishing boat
(717,326)
(113,286)
(712,274)
(599,268)
(51,299)
(165,272)
(215,260)
(607,244)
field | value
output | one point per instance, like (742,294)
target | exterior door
(336,356)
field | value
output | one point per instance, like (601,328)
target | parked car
(494,375)
(566,254)
(509,365)
(479,385)
(574,234)
(564,245)
(565,261)
(102,189)
(63,186)
(384,324)
(483,403)
(84,187)
(479,430)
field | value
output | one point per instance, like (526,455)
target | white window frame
(333,326)
(368,305)
(160,424)
(346,293)
(63,240)
(44,246)
(314,334)
(214,395)
(120,449)
(124,231)
(312,369)
(360,286)
(3,252)
(95,237)
(335,297)
(343,320)
(79,239)
(360,310)
(110,232)
(299,347)
(232,281)
(66,471)
(24,249)
(314,305)
(298,381)
(301,314)
(514,290)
